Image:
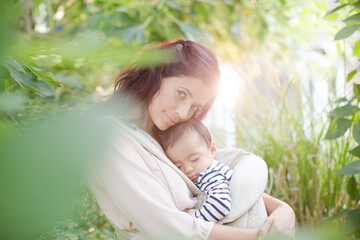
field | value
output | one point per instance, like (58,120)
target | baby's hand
(191,211)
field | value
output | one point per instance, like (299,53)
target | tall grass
(289,137)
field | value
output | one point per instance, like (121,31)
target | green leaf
(10,102)
(155,57)
(42,167)
(346,31)
(356,132)
(355,151)
(344,111)
(211,2)
(332,17)
(350,75)
(174,5)
(352,221)
(352,19)
(356,5)
(193,33)
(356,90)
(14,64)
(131,33)
(202,10)
(351,188)
(340,100)
(29,81)
(336,9)
(337,128)
(350,169)
(41,88)
(83,45)
(13,13)
(351,100)
(338,48)
(37,71)
(356,49)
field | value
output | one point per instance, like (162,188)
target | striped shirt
(214,182)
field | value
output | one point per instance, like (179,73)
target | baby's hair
(170,136)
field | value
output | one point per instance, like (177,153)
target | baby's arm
(218,201)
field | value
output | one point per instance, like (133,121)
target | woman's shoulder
(127,133)
(120,132)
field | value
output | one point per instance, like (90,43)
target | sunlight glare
(229,86)
(220,117)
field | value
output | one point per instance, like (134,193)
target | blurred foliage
(87,222)
(42,168)
(81,37)
(302,165)
(344,121)
(317,177)
(61,56)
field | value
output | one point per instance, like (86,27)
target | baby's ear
(213,149)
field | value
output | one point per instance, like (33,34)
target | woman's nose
(182,110)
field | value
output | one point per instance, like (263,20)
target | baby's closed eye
(195,159)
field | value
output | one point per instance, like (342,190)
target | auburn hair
(190,59)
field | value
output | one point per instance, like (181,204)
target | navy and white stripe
(214,182)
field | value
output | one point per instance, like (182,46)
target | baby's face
(191,154)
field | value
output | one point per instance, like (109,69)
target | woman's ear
(213,148)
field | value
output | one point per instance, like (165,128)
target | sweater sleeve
(132,190)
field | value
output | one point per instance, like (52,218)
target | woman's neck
(144,121)
(146,124)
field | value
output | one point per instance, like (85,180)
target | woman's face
(177,100)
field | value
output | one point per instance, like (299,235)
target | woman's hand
(281,217)
(223,232)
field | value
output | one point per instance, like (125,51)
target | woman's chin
(163,126)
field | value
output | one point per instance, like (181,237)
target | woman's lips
(169,119)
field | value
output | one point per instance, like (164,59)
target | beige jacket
(143,194)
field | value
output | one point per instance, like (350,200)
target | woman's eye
(181,93)
(194,108)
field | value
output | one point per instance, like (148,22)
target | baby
(190,147)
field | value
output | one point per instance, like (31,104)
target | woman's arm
(223,232)
(281,217)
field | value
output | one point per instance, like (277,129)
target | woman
(136,186)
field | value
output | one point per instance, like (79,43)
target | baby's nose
(188,169)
